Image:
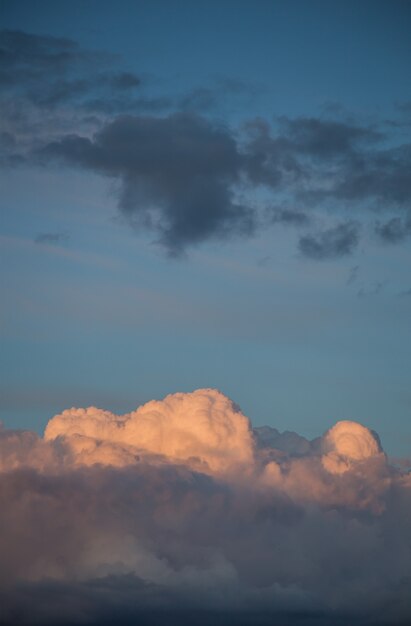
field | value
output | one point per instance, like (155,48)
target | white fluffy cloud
(203,429)
(182,504)
(346,443)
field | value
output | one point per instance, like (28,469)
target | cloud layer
(185,176)
(181,506)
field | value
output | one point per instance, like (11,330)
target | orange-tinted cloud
(182,505)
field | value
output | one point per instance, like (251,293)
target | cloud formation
(176,173)
(331,243)
(53,71)
(187,178)
(181,506)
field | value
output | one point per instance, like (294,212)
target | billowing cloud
(346,443)
(182,507)
(204,429)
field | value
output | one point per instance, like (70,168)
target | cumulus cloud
(346,443)
(182,508)
(51,238)
(204,429)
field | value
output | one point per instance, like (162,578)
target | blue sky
(208,194)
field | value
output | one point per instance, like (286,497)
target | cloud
(176,173)
(394,230)
(51,238)
(332,243)
(326,138)
(181,508)
(348,442)
(187,178)
(379,175)
(49,71)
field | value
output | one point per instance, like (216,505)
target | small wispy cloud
(51,238)
(353,275)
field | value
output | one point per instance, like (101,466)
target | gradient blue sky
(94,312)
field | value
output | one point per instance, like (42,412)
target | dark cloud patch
(332,243)
(394,230)
(383,176)
(179,176)
(270,160)
(325,138)
(185,177)
(51,238)
(50,71)
(338,162)
(176,174)
(130,601)
(24,56)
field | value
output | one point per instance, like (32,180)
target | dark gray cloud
(325,138)
(24,56)
(381,175)
(50,71)
(179,175)
(270,160)
(182,175)
(332,243)
(340,163)
(394,230)
(176,175)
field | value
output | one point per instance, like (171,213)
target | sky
(207,195)
(205,249)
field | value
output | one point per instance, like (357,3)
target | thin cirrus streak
(182,506)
